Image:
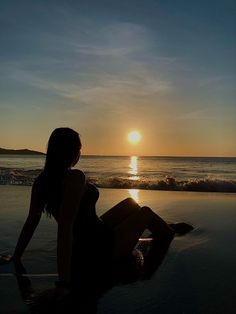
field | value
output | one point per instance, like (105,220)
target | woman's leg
(129,220)
(128,232)
(120,212)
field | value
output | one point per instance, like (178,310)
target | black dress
(92,245)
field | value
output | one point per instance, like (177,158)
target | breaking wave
(9,176)
(170,184)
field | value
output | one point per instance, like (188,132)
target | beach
(198,274)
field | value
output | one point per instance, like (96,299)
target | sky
(104,68)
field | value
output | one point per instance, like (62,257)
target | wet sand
(198,274)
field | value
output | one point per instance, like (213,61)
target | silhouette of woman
(86,244)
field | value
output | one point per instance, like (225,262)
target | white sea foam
(10,176)
(151,173)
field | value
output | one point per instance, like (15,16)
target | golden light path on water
(133,168)
(134,193)
(133,171)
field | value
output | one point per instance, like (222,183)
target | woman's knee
(146,213)
(145,209)
(130,206)
(129,201)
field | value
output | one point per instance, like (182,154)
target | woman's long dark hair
(63,149)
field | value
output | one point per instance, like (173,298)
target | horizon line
(112,155)
(164,156)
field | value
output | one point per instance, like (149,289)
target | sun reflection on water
(134,193)
(133,172)
(133,168)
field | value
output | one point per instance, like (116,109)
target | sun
(134,137)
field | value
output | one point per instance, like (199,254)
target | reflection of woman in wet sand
(84,241)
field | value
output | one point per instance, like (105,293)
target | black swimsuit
(92,241)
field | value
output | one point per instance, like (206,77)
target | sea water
(150,173)
(210,174)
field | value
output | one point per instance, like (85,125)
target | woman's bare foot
(181,228)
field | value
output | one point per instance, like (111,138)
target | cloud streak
(105,72)
(117,66)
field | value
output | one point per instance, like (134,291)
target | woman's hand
(4,259)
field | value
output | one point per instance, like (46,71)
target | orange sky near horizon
(165,68)
(119,145)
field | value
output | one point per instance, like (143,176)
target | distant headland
(4,151)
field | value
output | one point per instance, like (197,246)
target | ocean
(204,257)
(200,174)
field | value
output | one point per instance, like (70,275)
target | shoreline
(138,188)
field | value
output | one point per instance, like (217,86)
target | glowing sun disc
(134,137)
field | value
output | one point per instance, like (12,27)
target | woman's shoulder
(75,173)
(74,176)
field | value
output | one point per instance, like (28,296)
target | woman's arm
(31,223)
(73,190)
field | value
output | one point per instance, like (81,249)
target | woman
(86,244)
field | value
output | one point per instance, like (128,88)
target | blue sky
(165,68)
